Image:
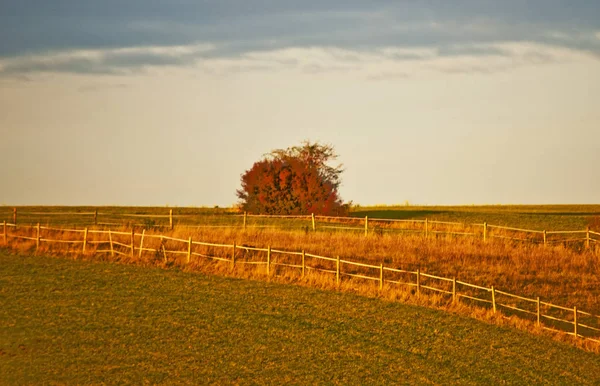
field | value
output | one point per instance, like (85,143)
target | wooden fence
(586,238)
(143,245)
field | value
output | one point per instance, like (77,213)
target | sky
(146,102)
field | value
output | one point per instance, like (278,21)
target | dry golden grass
(556,274)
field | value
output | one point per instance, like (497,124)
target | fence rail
(588,329)
(513,229)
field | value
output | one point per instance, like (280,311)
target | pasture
(537,217)
(556,273)
(82,322)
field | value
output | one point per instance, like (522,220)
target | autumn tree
(297,180)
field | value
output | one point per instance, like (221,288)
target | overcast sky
(147,102)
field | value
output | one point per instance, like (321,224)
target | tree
(297,180)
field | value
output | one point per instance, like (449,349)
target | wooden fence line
(445,222)
(320,257)
(112,251)
(130,248)
(62,229)
(453,233)
(436,277)
(472,285)
(370,225)
(588,240)
(359,264)
(513,229)
(252,248)
(564,232)
(286,252)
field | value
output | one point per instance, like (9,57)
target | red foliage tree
(294,181)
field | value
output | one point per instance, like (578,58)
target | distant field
(537,217)
(75,322)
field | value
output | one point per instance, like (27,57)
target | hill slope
(83,322)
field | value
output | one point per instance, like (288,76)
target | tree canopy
(297,180)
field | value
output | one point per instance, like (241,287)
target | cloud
(122,37)
(241,26)
(109,61)
(377,64)
(393,63)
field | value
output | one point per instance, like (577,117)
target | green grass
(537,217)
(77,322)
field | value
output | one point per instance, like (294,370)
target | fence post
(494,299)
(545,238)
(312,215)
(587,238)
(337,271)
(366,225)
(426,228)
(5,234)
(37,238)
(233,256)
(164,251)
(454,290)
(245,219)
(189,254)
(380,276)
(269,260)
(96,217)
(112,251)
(15,216)
(171,219)
(418,281)
(539,312)
(303,262)
(132,240)
(575,320)
(141,243)
(485,231)
(85,236)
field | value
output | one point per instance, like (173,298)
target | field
(565,275)
(538,217)
(81,322)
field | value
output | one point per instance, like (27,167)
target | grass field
(537,217)
(556,274)
(79,322)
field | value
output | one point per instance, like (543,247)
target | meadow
(83,322)
(266,254)
(561,273)
(537,217)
